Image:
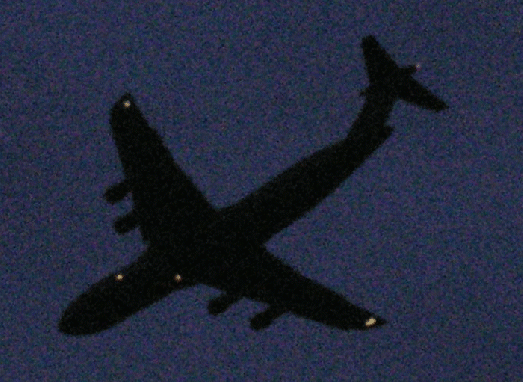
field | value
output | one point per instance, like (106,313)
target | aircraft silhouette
(190,242)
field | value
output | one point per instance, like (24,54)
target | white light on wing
(178,278)
(126,103)
(119,277)
(370,322)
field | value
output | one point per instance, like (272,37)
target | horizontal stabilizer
(385,76)
(264,319)
(413,92)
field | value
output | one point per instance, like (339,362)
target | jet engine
(264,319)
(126,223)
(260,322)
(221,303)
(117,192)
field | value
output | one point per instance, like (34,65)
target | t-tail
(386,76)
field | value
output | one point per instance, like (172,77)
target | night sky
(425,234)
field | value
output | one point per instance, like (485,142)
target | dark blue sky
(426,234)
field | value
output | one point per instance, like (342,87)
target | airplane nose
(80,317)
(88,314)
(77,322)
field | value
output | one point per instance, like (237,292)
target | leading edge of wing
(165,200)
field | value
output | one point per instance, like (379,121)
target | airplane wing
(165,200)
(262,277)
(378,62)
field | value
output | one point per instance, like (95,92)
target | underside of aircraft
(190,242)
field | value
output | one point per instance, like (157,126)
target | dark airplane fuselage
(296,191)
(190,242)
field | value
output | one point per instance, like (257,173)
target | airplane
(190,242)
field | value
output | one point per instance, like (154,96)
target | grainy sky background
(426,234)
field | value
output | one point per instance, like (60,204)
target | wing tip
(127,97)
(369,40)
(123,103)
(374,322)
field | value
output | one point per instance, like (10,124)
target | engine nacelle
(264,319)
(221,303)
(117,192)
(260,322)
(126,223)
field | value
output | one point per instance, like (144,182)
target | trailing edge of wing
(413,92)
